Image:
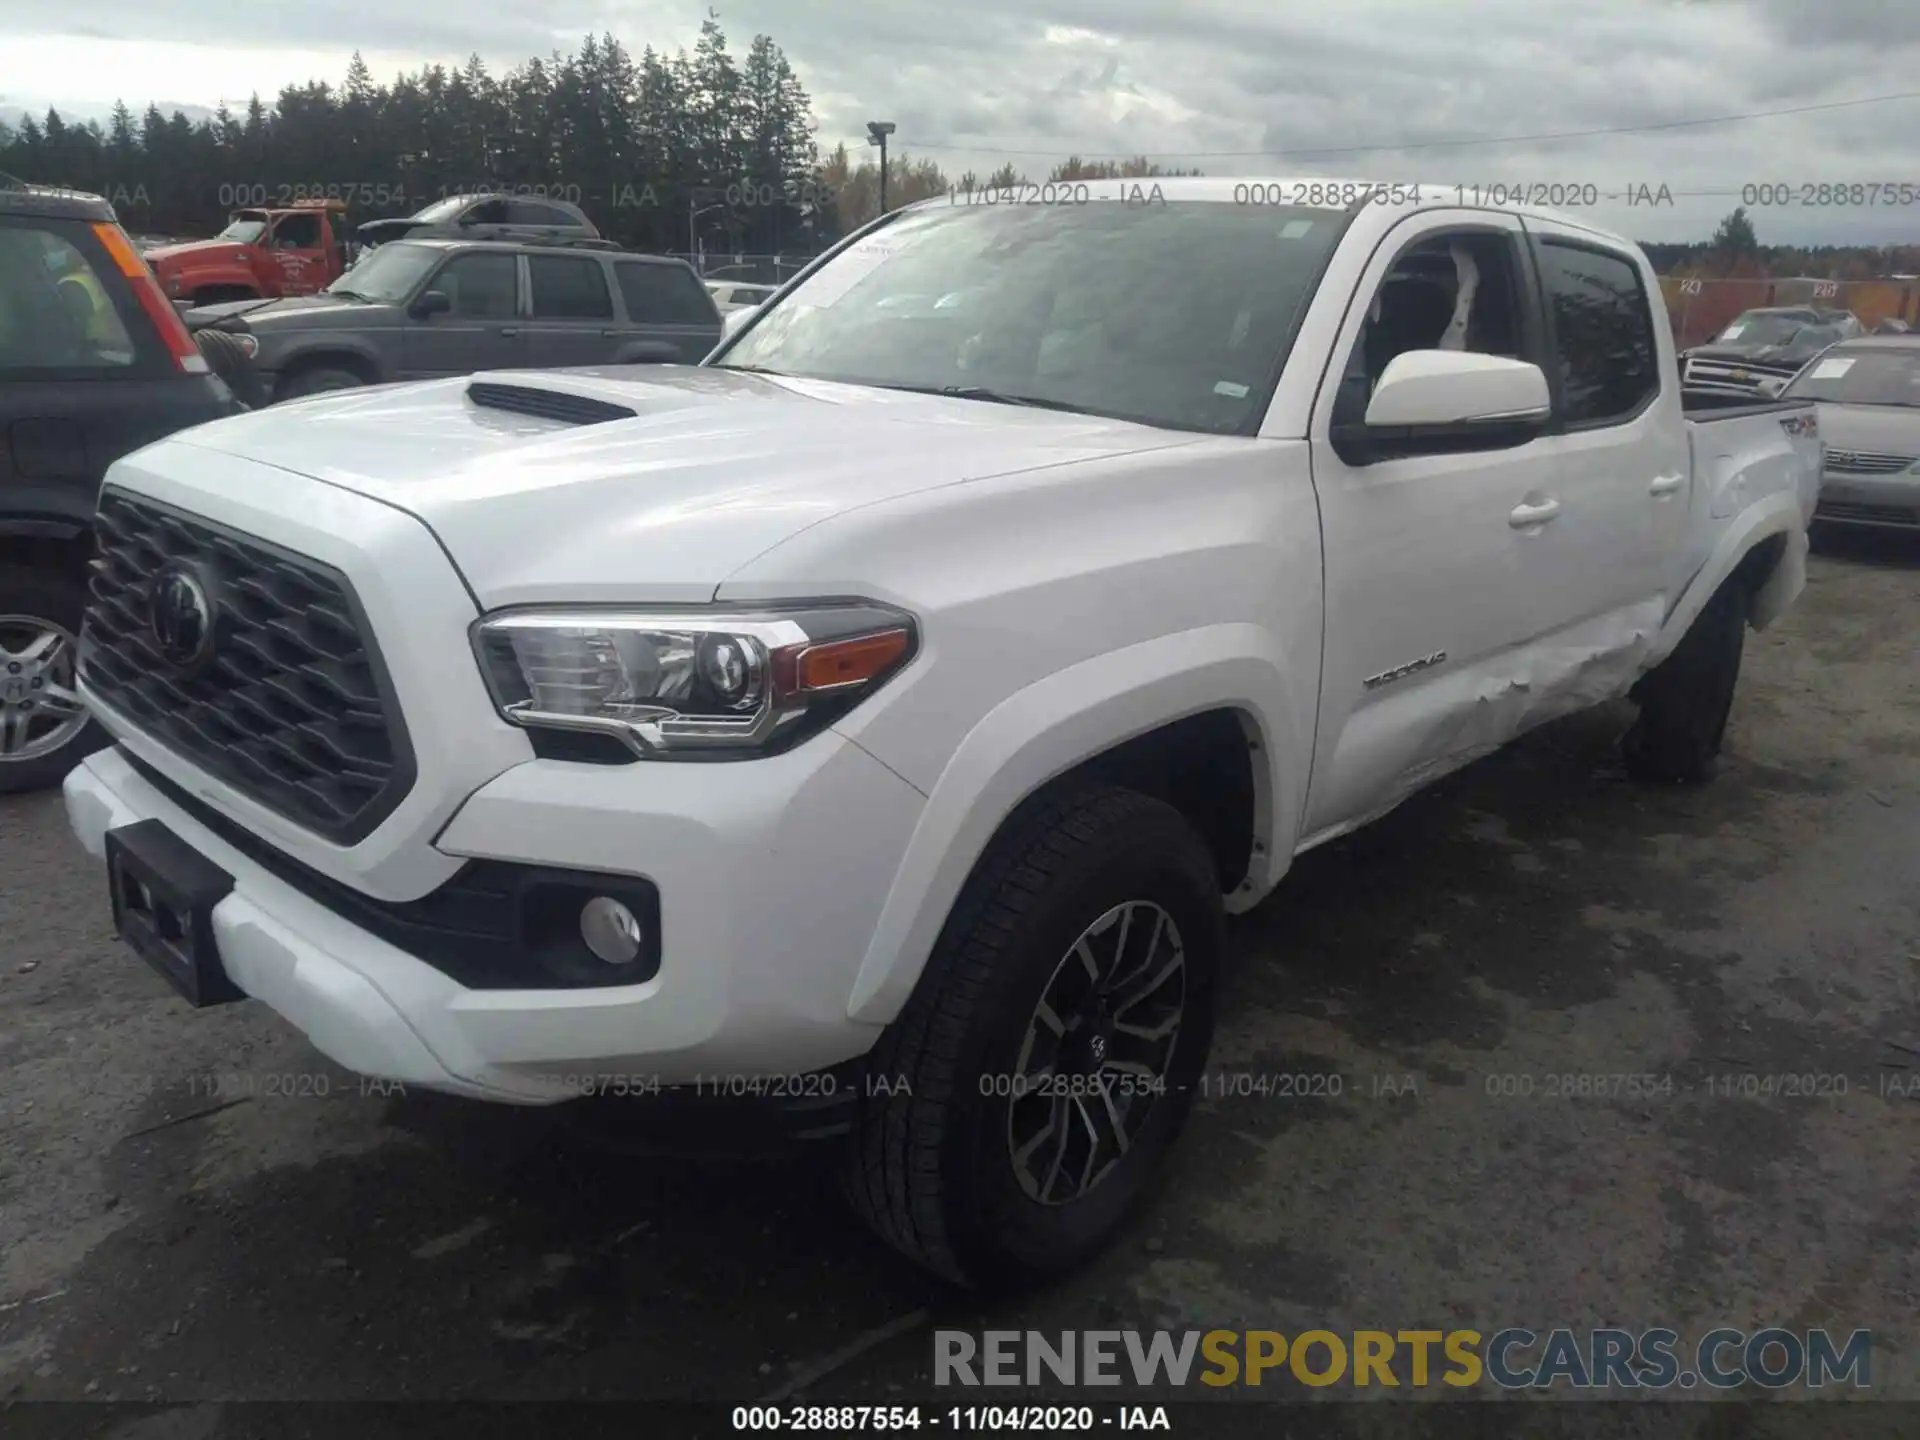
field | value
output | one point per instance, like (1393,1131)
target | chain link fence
(1701,309)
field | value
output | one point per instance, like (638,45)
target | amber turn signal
(839,664)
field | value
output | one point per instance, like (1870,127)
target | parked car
(884,715)
(93,363)
(263,253)
(488,217)
(1762,350)
(1868,394)
(732,295)
(417,309)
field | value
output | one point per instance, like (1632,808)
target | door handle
(509,332)
(609,334)
(1525,517)
(1666,484)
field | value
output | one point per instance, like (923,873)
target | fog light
(611,931)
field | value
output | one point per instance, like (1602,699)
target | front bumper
(1889,501)
(771,875)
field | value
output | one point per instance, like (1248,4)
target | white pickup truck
(883,715)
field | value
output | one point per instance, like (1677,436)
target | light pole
(693,220)
(877,132)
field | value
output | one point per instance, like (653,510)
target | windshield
(1761,328)
(1173,314)
(245,228)
(1862,377)
(388,274)
(442,210)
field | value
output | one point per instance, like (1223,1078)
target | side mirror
(1431,401)
(434,302)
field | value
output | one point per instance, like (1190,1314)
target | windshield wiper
(987,394)
(350,294)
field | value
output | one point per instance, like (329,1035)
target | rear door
(571,320)
(1612,555)
(669,314)
(483,331)
(84,376)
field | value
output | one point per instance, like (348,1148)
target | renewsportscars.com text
(1511,1359)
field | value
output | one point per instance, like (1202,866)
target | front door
(482,330)
(572,320)
(1427,631)
(297,250)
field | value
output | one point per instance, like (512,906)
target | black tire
(931,1166)
(1685,700)
(319,379)
(228,359)
(45,596)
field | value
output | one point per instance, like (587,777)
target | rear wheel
(318,380)
(1686,699)
(1046,1060)
(44,726)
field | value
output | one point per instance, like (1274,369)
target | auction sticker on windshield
(1830,369)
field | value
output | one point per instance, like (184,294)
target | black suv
(94,363)
(426,309)
(488,217)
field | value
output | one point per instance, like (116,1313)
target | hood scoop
(546,404)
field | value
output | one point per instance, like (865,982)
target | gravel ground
(1537,915)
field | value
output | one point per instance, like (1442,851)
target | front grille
(1867,462)
(293,708)
(1867,514)
(1746,374)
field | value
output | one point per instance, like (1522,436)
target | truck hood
(1876,429)
(714,468)
(1761,354)
(162,255)
(294,312)
(309,312)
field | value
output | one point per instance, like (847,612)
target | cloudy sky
(1381,89)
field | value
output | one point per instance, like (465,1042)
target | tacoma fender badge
(1400,672)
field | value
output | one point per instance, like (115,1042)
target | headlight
(671,683)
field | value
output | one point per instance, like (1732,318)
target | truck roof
(52,202)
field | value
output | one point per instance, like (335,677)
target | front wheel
(1020,1104)
(318,381)
(44,726)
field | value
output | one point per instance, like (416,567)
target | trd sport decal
(1400,672)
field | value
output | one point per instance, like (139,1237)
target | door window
(1446,292)
(297,232)
(569,287)
(481,286)
(663,295)
(56,309)
(1603,325)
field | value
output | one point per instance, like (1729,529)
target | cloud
(1346,87)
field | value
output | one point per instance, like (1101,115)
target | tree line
(1735,252)
(659,151)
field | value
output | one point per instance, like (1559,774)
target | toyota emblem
(182,618)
